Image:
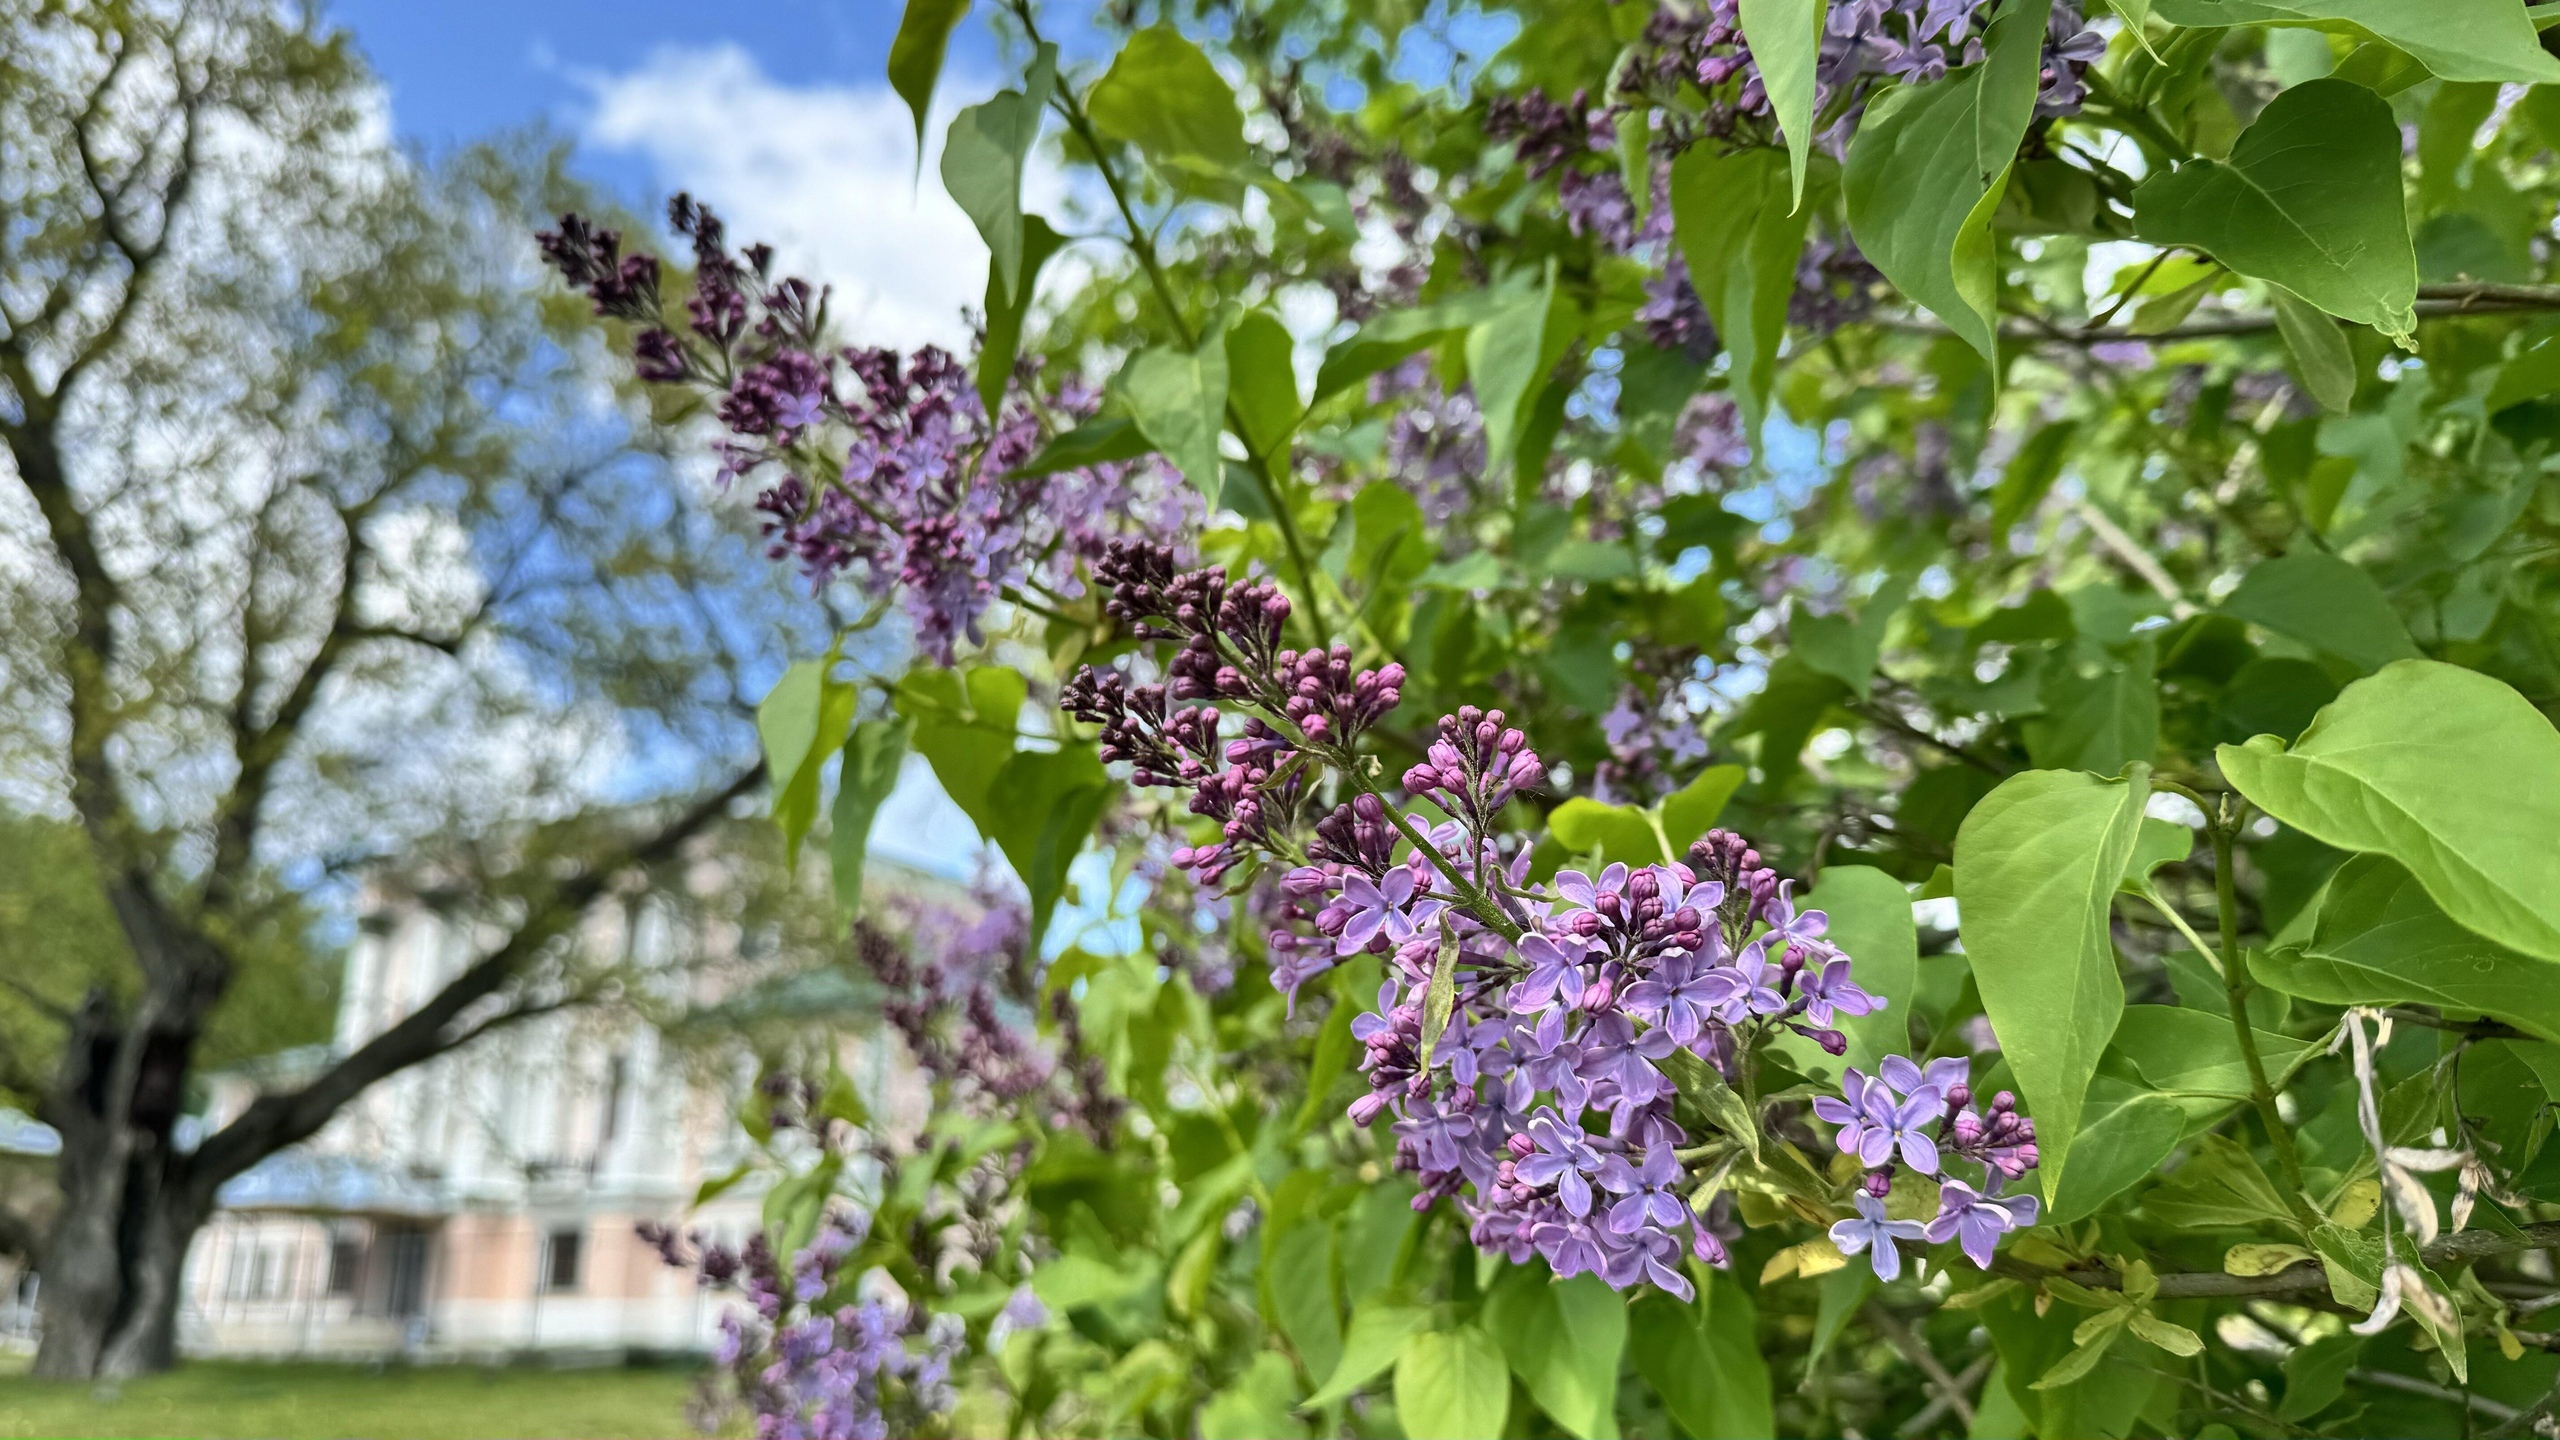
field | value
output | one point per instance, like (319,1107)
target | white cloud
(826,174)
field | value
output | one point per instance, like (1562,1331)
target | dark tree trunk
(131,1204)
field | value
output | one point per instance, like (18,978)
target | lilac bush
(816,1353)
(884,469)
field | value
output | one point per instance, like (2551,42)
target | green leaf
(983,160)
(1704,1359)
(2193,1052)
(2030,474)
(2178,1340)
(1690,811)
(2125,1135)
(1379,1332)
(1256,1406)
(964,724)
(1043,804)
(2354,1265)
(1095,442)
(2309,200)
(1927,169)
(872,756)
(1441,997)
(2457,39)
(2220,1187)
(2315,1375)
(2323,601)
(1870,914)
(1563,1339)
(2321,354)
(1006,312)
(2447,771)
(1583,825)
(1451,1385)
(721,1184)
(1391,337)
(800,722)
(1702,1086)
(1839,646)
(2099,722)
(2101,1331)
(915,55)
(1300,1273)
(1163,96)
(1508,357)
(1390,541)
(1783,715)
(1786,40)
(2162,842)
(1741,233)
(1262,386)
(1179,399)
(2377,939)
(2037,863)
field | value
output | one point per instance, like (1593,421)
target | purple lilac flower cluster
(942,1001)
(1921,1118)
(1911,41)
(816,1354)
(1314,705)
(1435,437)
(1549,138)
(887,469)
(1548,1095)
(1652,736)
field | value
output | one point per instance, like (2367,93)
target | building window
(346,1262)
(560,1260)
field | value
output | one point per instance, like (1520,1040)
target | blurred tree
(327,544)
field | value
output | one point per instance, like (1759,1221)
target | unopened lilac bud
(1831,1041)
(1879,1183)
(1391,677)
(1367,1108)
(1966,1128)
(1959,1095)
(1706,1246)
(1642,885)
(2004,1102)
(1526,771)
(1597,995)
(1520,1145)
(1421,778)
(1583,923)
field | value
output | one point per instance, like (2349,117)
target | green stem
(1479,904)
(2135,117)
(2236,988)
(1142,245)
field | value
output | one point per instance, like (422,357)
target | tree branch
(274,1121)
(2435,302)
(2308,1277)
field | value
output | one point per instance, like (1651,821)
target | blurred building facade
(487,1202)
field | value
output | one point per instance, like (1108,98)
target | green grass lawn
(227,1401)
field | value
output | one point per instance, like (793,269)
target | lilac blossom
(1383,909)
(1977,1220)
(1921,1118)
(889,471)
(1563,1158)
(1871,1232)
(820,1354)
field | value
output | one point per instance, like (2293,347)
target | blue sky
(458,68)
